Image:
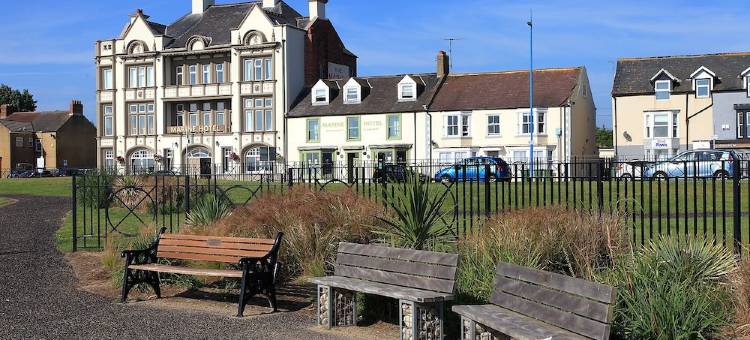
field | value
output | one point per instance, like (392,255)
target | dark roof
(217,22)
(506,90)
(382,97)
(158,28)
(634,75)
(36,121)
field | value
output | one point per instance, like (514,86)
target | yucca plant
(417,216)
(698,260)
(207,210)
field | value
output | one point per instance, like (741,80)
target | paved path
(38,298)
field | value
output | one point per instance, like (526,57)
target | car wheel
(660,175)
(446,179)
(721,174)
(493,178)
(626,176)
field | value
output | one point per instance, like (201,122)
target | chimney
(270,3)
(6,110)
(317,9)
(443,64)
(76,107)
(200,6)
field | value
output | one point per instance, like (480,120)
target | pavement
(39,299)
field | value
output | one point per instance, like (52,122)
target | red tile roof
(506,90)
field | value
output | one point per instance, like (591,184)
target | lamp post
(531,95)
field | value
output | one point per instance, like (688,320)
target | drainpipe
(415,135)
(687,118)
(429,138)
(283,93)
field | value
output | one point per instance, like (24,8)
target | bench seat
(382,289)
(513,324)
(163,268)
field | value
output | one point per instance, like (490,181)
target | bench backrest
(579,306)
(424,270)
(211,248)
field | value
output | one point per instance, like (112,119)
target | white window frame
(537,123)
(267,69)
(672,126)
(206,73)
(107,83)
(707,87)
(193,74)
(219,69)
(462,126)
(356,95)
(108,113)
(320,100)
(668,90)
(247,72)
(491,124)
(179,76)
(401,92)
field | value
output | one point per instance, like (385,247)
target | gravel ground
(38,298)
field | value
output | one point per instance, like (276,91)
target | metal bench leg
(243,294)
(125,285)
(421,321)
(468,329)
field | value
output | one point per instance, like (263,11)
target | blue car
(475,168)
(698,163)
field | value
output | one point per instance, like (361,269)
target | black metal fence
(709,199)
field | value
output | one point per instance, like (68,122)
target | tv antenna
(450,49)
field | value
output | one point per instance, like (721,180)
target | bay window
(661,124)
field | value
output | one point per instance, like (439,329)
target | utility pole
(531,94)
(450,50)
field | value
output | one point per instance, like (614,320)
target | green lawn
(53,186)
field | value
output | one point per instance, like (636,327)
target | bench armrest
(143,256)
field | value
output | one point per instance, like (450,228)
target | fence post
(487,188)
(600,185)
(74,195)
(736,179)
(187,193)
(289,172)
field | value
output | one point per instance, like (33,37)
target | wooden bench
(250,259)
(534,304)
(421,281)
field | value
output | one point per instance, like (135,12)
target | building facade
(443,117)
(47,140)
(209,92)
(665,105)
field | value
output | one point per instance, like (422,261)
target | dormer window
(702,87)
(352,95)
(662,89)
(407,92)
(747,85)
(407,88)
(321,96)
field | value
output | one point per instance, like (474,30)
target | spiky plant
(207,210)
(417,216)
(697,260)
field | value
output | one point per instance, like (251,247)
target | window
(142,161)
(747,85)
(107,79)
(206,114)
(149,76)
(206,74)
(248,70)
(743,125)
(258,69)
(133,77)
(662,89)
(675,119)
(313,130)
(259,159)
(133,120)
(352,128)
(140,76)
(258,114)
(108,119)
(465,125)
(311,157)
(321,96)
(352,94)
(109,159)
(219,114)
(457,125)
(540,124)
(452,126)
(168,155)
(525,123)
(179,77)
(180,116)
(493,125)
(394,126)
(193,74)
(661,125)
(407,92)
(193,115)
(702,87)
(219,73)
(19,142)
(268,74)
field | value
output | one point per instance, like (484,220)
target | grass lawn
(53,186)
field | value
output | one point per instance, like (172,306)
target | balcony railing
(140,94)
(194,91)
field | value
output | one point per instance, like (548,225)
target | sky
(47,46)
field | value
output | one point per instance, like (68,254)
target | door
(351,166)
(327,162)
(205,166)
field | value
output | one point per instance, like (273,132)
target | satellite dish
(627,136)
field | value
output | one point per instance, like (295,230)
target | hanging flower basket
(234,157)
(120,159)
(158,158)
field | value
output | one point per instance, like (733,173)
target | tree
(604,138)
(22,101)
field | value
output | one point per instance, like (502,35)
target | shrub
(671,290)
(313,223)
(417,212)
(740,284)
(112,258)
(577,244)
(207,210)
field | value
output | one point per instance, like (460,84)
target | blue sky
(47,46)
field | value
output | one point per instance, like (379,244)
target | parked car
(630,169)
(475,168)
(698,163)
(395,173)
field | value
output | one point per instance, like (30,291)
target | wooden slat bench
(534,304)
(255,261)
(421,280)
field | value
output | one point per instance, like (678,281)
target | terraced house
(208,92)
(664,105)
(443,117)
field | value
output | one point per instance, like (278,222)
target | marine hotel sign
(197,129)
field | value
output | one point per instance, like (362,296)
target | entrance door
(327,162)
(205,166)
(351,166)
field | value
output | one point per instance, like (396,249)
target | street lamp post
(531,95)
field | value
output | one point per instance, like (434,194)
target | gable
(139,30)
(256,20)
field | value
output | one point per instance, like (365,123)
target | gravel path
(38,298)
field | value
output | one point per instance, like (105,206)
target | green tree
(604,138)
(22,101)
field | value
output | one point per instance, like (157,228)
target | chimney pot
(6,110)
(443,64)
(317,9)
(76,107)
(200,6)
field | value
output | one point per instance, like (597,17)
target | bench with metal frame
(421,281)
(534,304)
(253,260)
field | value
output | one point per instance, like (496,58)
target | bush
(740,284)
(112,257)
(313,223)
(673,291)
(207,210)
(577,244)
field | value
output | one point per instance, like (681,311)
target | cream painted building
(443,117)
(209,92)
(665,105)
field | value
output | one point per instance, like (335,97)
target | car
(475,169)
(697,163)
(630,169)
(395,173)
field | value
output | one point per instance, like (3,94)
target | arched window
(198,153)
(142,161)
(137,47)
(254,38)
(259,158)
